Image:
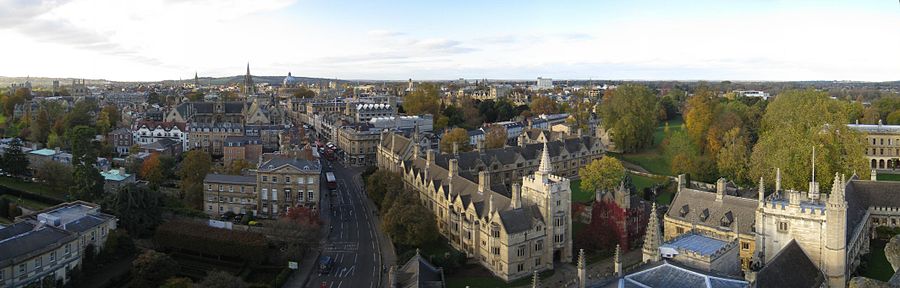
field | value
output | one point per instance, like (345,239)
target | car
(326,263)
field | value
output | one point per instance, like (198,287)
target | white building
(149,132)
(752,93)
(543,83)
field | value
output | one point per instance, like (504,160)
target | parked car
(325,264)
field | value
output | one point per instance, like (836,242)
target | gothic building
(621,212)
(512,232)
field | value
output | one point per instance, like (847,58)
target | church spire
(546,167)
(248,82)
(652,237)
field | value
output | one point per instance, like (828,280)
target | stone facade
(285,182)
(234,193)
(882,144)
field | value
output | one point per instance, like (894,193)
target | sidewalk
(307,265)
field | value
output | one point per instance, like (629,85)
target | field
(31,187)
(653,159)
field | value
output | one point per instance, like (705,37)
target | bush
(282,277)
(207,240)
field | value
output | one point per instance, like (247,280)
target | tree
(57,176)
(456,136)
(407,222)
(296,232)
(424,100)
(303,92)
(108,119)
(699,115)
(138,209)
(221,279)
(893,118)
(151,269)
(380,183)
(734,157)
(870,116)
(40,127)
(87,183)
(495,137)
(178,282)
(152,171)
(193,170)
(237,167)
(470,113)
(544,105)
(629,113)
(603,174)
(54,141)
(15,161)
(10,101)
(793,124)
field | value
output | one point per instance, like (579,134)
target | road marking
(339,284)
(350,271)
(354,258)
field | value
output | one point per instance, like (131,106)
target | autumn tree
(544,105)
(603,174)
(152,171)
(629,113)
(380,183)
(893,118)
(194,167)
(425,99)
(151,269)
(700,111)
(793,124)
(733,158)
(495,137)
(456,136)
(108,119)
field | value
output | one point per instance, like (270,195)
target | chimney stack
(720,189)
(516,196)
(484,182)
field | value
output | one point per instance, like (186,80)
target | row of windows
(38,262)
(287,179)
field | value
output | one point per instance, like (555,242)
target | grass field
(578,195)
(30,204)
(461,281)
(33,188)
(888,177)
(653,159)
(878,266)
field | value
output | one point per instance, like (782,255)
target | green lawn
(665,198)
(30,187)
(578,195)
(640,182)
(653,158)
(877,266)
(461,281)
(27,203)
(888,177)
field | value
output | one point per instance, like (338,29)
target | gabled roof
(702,209)
(419,273)
(277,161)
(670,275)
(791,267)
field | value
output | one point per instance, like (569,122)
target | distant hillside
(271,80)
(47,82)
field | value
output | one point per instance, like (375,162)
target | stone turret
(484,182)
(535,280)
(652,238)
(835,257)
(761,193)
(516,200)
(546,166)
(582,274)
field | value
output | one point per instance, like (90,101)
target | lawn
(31,187)
(888,177)
(653,159)
(665,198)
(578,195)
(483,279)
(640,182)
(877,266)
(27,203)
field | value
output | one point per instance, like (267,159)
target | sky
(150,40)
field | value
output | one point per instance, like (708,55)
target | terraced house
(512,232)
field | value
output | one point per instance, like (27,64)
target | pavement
(353,238)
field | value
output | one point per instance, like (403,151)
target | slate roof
(277,161)
(230,179)
(208,108)
(702,205)
(510,155)
(85,223)
(520,220)
(23,239)
(791,267)
(418,273)
(860,195)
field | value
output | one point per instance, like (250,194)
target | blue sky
(652,40)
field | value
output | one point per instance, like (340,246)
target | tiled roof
(701,208)
(791,267)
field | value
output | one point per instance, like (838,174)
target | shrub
(203,239)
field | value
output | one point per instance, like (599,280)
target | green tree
(54,141)
(87,183)
(407,222)
(544,105)
(629,113)
(194,167)
(793,124)
(425,99)
(456,136)
(151,269)
(14,160)
(734,157)
(40,127)
(380,183)
(893,118)
(699,115)
(603,174)
(138,209)
(57,176)
(495,137)
(108,119)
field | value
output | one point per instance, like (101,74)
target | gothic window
(520,251)
(782,226)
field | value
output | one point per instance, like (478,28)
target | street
(352,241)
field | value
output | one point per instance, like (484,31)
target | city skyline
(642,40)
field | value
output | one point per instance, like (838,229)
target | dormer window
(727,219)
(684,210)
(704,215)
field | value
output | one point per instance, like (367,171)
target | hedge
(200,238)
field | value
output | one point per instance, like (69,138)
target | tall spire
(546,167)
(617,262)
(652,237)
(761,193)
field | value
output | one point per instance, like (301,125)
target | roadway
(353,240)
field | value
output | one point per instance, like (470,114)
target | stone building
(210,137)
(242,148)
(623,213)
(511,232)
(882,144)
(285,182)
(229,193)
(717,213)
(358,141)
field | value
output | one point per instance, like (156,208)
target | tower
(249,89)
(836,235)
(552,196)
(652,238)
(196,80)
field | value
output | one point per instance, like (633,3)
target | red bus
(332,183)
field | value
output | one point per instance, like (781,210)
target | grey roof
(700,244)
(230,179)
(861,195)
(85,223)
(23,238)
(208,107)
(510,155)
(519,220)
(417,272)
(161,144)
(280,160)
(703,209)
(791,267)
(669,275)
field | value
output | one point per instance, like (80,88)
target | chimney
(121,170)
(452,167)
(682,181)
(416,154)
(516,196)
(484,182)
(777,180)
(455,148)
(720,189)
